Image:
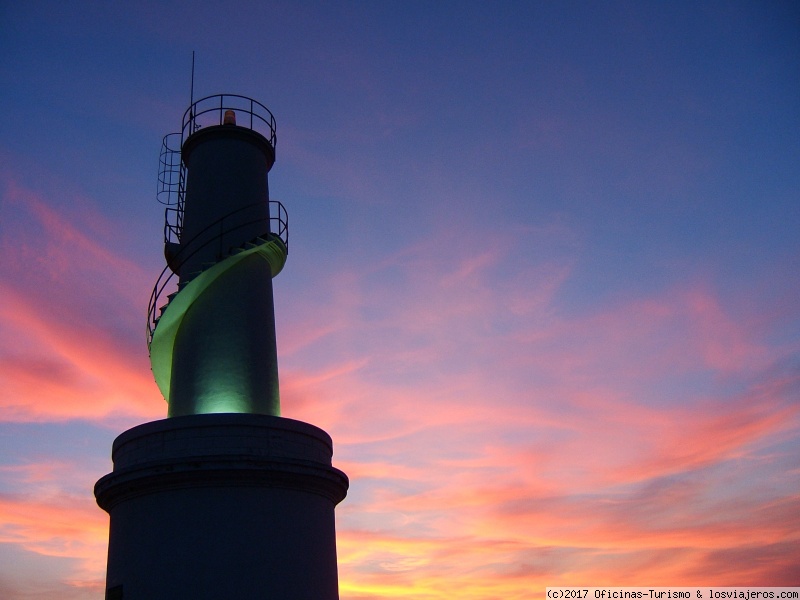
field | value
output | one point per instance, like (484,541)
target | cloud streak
(61,356)
(573,449)
(546,305)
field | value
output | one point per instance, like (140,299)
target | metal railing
(211,111)
(205,112)
(276,226)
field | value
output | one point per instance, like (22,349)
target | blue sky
(542,289)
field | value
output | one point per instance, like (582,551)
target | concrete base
(222,506)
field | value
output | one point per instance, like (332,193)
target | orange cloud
(59,526)
(546,460)
(496,444)
(73,372)
(65,353)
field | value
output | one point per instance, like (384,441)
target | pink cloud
(501,445)
(74,371)
(49,239)
(495,443)
(59,526)
(65,304)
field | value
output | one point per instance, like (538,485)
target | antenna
(191,100)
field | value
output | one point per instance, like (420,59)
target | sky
(542,288)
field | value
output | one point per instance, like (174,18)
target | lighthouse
(224,498)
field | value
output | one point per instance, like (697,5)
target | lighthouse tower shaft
(213,347)
(224,498)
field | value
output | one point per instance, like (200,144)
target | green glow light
(216,396)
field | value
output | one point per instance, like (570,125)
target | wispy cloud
(59,526)
(66,315)
(496,443)
(511,443)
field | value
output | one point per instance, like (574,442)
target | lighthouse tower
(224,498)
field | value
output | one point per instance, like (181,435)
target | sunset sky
(543,288)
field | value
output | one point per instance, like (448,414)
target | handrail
(213,108)
(282,233)
(172,231)
(204,112)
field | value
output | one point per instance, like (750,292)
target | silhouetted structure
(224,498)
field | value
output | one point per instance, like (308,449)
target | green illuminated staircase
(164,321)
